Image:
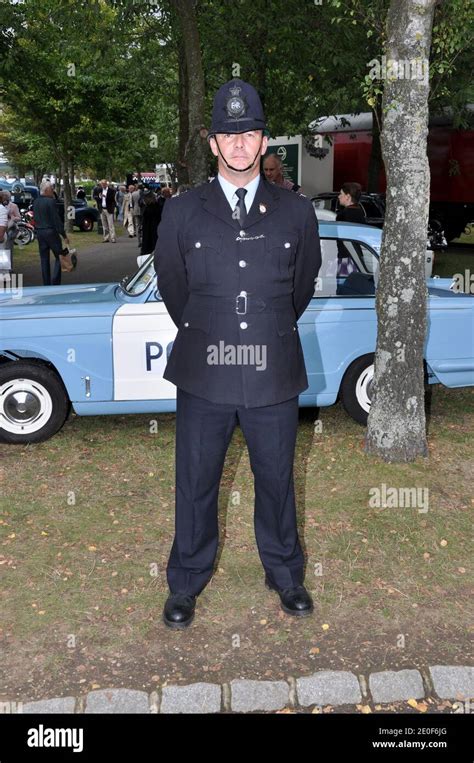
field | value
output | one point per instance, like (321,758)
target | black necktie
(240,192)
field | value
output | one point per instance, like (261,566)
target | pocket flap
(282,240)
(197,242)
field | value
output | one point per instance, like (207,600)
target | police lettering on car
(236,261)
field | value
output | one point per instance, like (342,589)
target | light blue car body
(110,347)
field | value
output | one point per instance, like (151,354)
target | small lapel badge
(262,209)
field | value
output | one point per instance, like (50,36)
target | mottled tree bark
(396,426)
(183,135)
(71,178)
(197,151)
(68,222)
(375,162)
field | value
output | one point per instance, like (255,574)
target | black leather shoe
(179,610)
(294,601)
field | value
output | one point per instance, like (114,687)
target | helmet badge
(235,104)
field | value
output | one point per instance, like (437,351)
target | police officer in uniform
(236,261)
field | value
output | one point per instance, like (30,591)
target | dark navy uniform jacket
(205,259)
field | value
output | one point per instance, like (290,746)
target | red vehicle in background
(450,154)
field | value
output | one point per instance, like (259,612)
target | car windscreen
(138,282)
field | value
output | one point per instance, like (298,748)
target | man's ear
(213,145)
(264,145)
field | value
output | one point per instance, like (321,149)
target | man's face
(103,183)
(239,149)
(272,170)
(131,188)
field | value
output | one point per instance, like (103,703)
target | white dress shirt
(230,190)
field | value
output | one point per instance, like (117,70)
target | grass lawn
(87,525)
(452,261)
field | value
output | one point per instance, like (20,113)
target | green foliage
(97,81)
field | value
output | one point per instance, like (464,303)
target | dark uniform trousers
(246,287)
(49,240)
(203,433)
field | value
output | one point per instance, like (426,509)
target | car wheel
(33,402)
(87,223)
(356,388)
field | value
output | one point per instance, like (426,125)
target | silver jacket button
(242,263)
(186,324)
(287,245)
(242,233)
(243,325)
(197,244)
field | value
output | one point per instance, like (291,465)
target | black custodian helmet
(237,108)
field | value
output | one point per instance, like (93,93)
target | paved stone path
(326,687)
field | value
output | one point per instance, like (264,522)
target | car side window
(348,268)
(324,204)
(370,208)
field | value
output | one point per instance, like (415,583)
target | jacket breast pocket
(281,250)
(195,318)
(201,255)
(285,322)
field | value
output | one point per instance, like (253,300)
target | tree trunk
(396,426)
(68,221)
(376,161)
(183,135)
(71,179)
(197,152)
(38,175)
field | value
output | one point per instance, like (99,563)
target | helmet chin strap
(236,169)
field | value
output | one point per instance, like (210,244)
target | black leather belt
(243,303)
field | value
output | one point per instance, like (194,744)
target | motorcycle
(25,228)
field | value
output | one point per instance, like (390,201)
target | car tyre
(355,392)
(87,224)
(33,402)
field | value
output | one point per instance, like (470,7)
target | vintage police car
(102,348)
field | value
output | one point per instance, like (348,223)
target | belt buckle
(242,295)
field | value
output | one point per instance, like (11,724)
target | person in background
(350,210)
(13,217)
(96,192)
(13,211)
(166,193)
(49,230)
(150,222)
(273,170)
(127,211)
(119,197)
(137,196)
(4,223)
(107,209)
